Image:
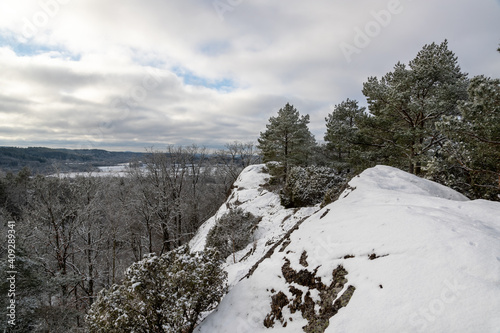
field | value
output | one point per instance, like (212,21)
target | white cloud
(121,73)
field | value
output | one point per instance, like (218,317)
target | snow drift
(395,253)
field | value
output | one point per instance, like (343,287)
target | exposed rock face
(317,313)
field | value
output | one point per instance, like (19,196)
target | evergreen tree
(474,135)
(342,133)
(406,103)
(161,294)
(287,139)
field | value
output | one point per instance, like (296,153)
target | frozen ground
(421,257)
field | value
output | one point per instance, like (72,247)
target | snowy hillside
(395,253)
(249,195)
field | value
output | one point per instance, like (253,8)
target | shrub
(232,232)
(307,186)
(161,294)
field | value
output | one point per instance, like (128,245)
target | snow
(120,170)
(250,195)
(437,266)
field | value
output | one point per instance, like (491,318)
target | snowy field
(120,170)
(419,256)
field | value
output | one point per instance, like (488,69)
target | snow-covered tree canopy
(474,140)
(407,102)
(161,294)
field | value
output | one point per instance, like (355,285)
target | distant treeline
(47,160)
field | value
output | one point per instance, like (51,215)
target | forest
(76,237)
(48,160)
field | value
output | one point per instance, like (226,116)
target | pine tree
(406,103)
(474,138)
(342,133)
(287,139)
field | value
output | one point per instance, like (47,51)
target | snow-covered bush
(306,186)
(277,172)
(232,232)
(333,194)
(161,294)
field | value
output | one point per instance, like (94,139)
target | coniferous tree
(406,103)
(474,142)
(287,139)
(342,134)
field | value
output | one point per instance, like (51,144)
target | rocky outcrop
(301,284)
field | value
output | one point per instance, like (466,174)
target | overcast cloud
(130,74)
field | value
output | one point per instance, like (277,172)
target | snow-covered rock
(395,253)
(250,195)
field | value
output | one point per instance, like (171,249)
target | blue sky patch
(215,48)
(190,78)
(32,49)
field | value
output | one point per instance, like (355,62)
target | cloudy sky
(130,74)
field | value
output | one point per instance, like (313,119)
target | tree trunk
(113,263)
(90,269)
